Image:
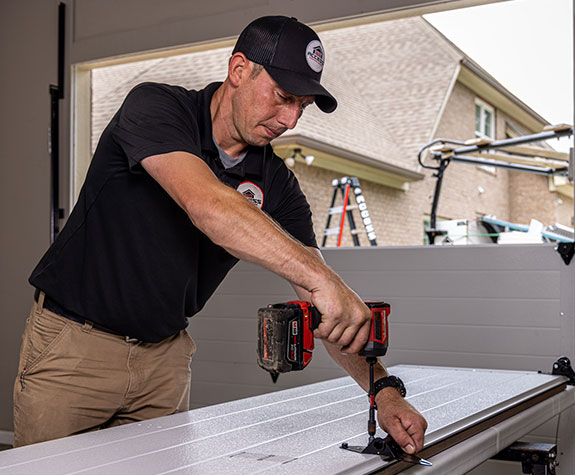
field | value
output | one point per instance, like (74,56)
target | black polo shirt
(129,258)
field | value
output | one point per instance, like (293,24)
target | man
(158,224)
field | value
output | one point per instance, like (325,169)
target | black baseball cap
(291,53)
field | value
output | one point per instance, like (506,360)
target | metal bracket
(376,447)
(535,458)
(433,233)
(562,367)
(386,448)
(566,250)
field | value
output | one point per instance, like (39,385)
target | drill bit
(371,427)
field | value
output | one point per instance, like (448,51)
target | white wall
(28,39)
(488,306)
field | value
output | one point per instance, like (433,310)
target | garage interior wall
(95,31)
(505,307)
(478,306)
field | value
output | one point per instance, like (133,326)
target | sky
(527,45)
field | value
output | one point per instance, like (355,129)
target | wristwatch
(388,381)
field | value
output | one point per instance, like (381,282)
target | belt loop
(40,303)
(87,327)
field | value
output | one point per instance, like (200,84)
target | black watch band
(389,381)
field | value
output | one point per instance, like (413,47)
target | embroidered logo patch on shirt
(252,192)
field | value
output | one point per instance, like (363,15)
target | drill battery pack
(285,332)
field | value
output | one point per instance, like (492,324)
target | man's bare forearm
(232,222)
(258,239)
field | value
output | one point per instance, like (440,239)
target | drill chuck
(377,342)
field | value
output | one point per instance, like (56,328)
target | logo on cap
(252,192)
(314,55)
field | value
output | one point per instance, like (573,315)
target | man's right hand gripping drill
(345,318)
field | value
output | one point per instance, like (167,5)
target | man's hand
(400,420)
(345,318)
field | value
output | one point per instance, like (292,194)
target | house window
(485,127)
(484,120)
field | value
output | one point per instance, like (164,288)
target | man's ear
(238,69)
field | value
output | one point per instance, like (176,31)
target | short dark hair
(256,69)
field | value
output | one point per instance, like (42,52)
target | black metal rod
(510,166)
(496,144)
(531,155)
(56,94)
(439,175)
(54,163)
(515,141)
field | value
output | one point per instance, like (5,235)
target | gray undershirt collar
(226,160)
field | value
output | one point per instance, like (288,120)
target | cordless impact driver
(286,343)
(285,335)
(285,340)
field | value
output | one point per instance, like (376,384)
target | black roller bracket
(535,458)
(566,250)
(562,367)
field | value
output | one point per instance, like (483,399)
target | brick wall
(399,215)
(467,191)
(531,198)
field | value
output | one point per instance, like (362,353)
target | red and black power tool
(285,335)
(285,343)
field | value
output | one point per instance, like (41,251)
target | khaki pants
(73,378)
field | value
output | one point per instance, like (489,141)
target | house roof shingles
(402,76)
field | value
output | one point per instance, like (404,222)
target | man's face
(262,110)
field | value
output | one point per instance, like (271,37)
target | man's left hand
(400,420)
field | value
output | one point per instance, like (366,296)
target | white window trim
(479,133)
(491,110)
